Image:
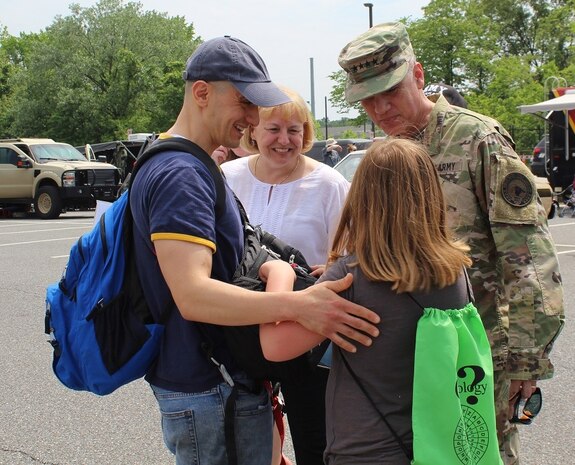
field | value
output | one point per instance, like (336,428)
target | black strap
(230,406)
(178,144)
(181,144)
(404,448)
(467,284)
(469,288)
(229,426)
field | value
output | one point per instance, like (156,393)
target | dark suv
(538,162)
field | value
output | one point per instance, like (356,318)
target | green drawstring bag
(453,414)
(453,409)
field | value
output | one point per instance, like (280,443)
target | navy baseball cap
(229,59)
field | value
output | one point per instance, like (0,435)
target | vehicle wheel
(47,203)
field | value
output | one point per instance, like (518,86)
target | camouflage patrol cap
(376,61)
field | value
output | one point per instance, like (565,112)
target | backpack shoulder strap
(467,285)
(180,144)
(408,453)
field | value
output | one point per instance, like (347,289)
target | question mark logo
(478,375)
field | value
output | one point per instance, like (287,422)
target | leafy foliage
(91,76)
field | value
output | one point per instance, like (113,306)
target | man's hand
(521,388)
(326,313)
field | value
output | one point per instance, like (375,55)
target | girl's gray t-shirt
(355,432)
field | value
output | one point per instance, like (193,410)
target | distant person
(396,243)
(569,201)
(449,92)
(186,254)
(492,204)
(120,160)
(299,200)
(331,153)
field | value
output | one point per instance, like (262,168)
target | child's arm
(287,339)
(278,276)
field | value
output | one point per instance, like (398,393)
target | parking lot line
(561,224)
(41,230)
(37,242)
(14,224)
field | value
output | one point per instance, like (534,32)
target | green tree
(337,98)
(13,53)
(512,85)
(438,40)
(539,29)
(6,71)
(101,71)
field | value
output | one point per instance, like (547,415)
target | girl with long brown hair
(394,240)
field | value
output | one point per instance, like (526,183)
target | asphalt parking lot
(41,421)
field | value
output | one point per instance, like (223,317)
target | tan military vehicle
(53,177)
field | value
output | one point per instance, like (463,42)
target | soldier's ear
(419,75)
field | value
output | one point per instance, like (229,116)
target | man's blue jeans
(193,426)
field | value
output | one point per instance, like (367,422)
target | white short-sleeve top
(303,213)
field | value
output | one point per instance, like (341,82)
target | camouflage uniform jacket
(493,205)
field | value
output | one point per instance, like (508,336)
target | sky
(288,34)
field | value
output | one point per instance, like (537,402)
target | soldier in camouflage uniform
(492,204)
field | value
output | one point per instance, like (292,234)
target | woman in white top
(292,196)
(299,200)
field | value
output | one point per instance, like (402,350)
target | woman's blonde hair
(394,220)
(297,108)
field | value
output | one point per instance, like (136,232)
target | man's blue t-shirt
(174,197)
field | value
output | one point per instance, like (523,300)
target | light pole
(311,78)
(325,99)
(370,8)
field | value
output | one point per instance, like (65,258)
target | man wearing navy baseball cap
(186,254)
(230,59)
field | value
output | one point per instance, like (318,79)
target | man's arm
(186,267)
(528,264)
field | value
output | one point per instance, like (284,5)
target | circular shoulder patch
(517,190)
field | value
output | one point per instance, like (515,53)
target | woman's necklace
(284,179)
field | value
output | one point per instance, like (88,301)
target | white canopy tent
(564,103)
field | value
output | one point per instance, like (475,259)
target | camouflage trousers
(507,433)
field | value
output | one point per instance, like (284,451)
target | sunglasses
(525,410)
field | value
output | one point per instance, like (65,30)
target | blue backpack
(101,328)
